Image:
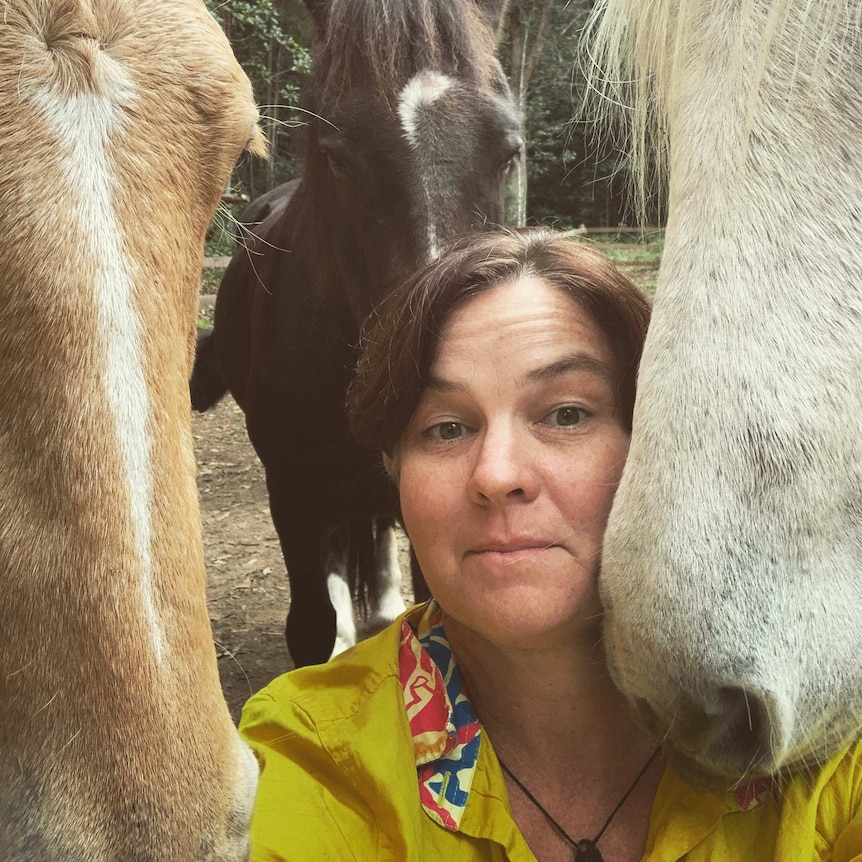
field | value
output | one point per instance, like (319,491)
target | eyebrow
(577,362)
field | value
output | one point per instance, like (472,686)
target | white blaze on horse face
(421,92)
(83,124)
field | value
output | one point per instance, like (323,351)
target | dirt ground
(248,593)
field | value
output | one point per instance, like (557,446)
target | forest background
(572,177)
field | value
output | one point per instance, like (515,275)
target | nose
(736,731)
(503,470)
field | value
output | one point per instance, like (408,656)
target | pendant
(586,851)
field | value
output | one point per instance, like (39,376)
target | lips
(512,546)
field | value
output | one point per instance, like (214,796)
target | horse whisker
(69,741)
(302,111)
(269,118)
(232,656)
(531,552)
(246,233)
(46,705)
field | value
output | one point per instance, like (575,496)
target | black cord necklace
(585,849)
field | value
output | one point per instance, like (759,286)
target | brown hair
(401,340)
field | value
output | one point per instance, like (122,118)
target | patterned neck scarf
(445,730)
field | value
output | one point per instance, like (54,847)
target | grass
(642,255)
(638,258)
(641,266)
(211,279)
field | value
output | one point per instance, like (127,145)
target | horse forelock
(415,98)
(635,55)
(383,43)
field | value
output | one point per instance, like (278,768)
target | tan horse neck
(121,122)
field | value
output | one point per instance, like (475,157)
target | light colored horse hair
(120,121)
(732,558)
(632,52)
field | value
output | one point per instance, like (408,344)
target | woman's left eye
(566,417)
(446,431)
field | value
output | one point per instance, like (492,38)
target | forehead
(190,54)
(526,321)
(430,106)
(155,83)
(431,98)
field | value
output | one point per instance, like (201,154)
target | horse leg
(421,593)
(311,622)
(388,604)
(339,594)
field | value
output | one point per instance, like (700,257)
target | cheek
(419,508)
(429,508)
(614,463)
(590,487)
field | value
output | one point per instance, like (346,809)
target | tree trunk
(524,63)
(518,47)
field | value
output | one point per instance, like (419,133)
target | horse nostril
(742,710)
(739,728)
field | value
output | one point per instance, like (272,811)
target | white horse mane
(633,51)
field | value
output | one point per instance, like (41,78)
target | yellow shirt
(339,782)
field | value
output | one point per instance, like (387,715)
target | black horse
(412,137)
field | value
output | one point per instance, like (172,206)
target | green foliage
(572,176)
(270,41)
(221,243)
(573,180)
(220,240)
(211,279)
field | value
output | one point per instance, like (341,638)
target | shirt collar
(443,724)
(446,733)
(754,793)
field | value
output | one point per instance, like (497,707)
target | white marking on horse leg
(83,124)
(342,601)
(420,92)
(389,604)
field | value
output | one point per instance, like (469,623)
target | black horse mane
(385,42)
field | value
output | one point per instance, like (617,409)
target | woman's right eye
(446,431)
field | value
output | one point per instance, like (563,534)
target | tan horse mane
(634,51)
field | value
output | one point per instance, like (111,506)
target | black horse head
(412,137)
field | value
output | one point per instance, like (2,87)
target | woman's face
(510,463)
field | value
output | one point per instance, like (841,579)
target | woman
(499,383)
